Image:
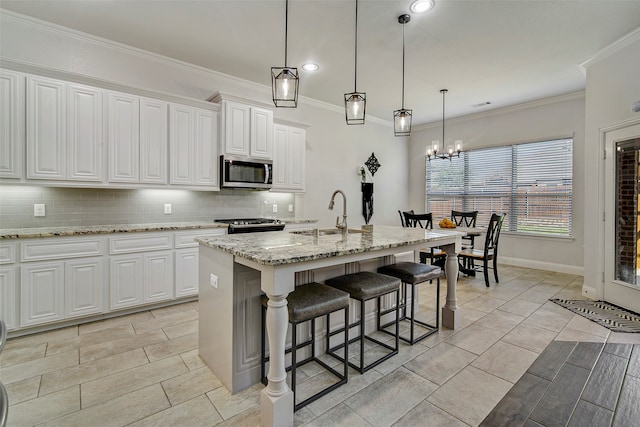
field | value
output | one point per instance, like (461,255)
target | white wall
(334,150)
(554,117)
(613,84)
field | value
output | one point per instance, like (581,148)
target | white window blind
(531,182)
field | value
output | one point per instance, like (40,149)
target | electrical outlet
(275,208)
(38,209)
(290,208)
(167,208)
(213,281)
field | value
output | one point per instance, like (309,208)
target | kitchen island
(283,260)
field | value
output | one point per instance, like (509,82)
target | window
(531,182)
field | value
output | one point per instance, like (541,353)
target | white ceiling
(502,51)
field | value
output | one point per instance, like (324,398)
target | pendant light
(451,151)
(285,80)
(402,117)
(355,102)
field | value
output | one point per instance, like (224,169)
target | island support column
(450,309)
(276,401)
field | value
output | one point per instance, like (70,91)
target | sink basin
(326,231)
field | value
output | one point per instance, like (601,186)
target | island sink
(326,231)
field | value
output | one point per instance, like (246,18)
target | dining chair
(466,219)
(490,250)
(401,213)
(416,220)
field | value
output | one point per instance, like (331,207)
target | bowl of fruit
(447,223)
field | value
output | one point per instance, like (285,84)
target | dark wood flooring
(575,384)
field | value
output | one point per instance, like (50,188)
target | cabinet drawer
(56,249)
(185,239)
(129,244)
(7,253)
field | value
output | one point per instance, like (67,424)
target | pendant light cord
(443,92)
(403,24)
(286,29)
(355,77)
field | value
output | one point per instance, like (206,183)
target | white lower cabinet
(8,296)
(158,276)
(84,287)
(142,274)
(186,272)
(41,293)
(59,290)
(125,281)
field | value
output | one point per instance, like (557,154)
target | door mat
(608,315)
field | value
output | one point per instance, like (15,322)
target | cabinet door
(124,137)
(41,293)
(158,276)
(84,134)
(153,141)
(186,272)
(182,136)
(297,155)
(261,133)
(12,124)
(46,147)
(280,157)
(206,148)
(237,128)
(125,281)
(84,287)
(8,295)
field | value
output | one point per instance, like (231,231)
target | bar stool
(364,286)
(412,273)
(307,303)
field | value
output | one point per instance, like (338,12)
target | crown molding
(618,45)
(37,24)
(504,110)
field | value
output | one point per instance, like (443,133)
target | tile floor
(143,369)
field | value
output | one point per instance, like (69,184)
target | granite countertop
(26,233)
(283,247)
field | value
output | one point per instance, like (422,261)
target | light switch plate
(213,281)
(290,208)
(167,208)
(275,208)
(39,209)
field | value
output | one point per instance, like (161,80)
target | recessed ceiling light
(422,6)
(310,67)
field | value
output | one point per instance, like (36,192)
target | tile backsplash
(90,206)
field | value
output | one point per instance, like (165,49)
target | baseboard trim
(542,265)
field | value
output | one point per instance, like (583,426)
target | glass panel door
(626,217)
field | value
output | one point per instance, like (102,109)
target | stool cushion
(411,272)
(312,300)
(365,284)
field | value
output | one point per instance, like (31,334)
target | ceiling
(502,51)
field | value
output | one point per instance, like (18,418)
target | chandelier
(452,150)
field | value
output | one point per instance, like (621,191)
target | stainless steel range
(252,225)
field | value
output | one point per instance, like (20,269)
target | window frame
(548,184)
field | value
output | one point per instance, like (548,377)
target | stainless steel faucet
(342,226)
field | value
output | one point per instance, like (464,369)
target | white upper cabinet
(194,146)
(137,139)
(12,124)
(153,141)
(85,160)
(237,128)
(261,133)
(46,147)
(289,158)
(247,130)
(124,137)
(64,131)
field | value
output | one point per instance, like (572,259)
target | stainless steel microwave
(240,172)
